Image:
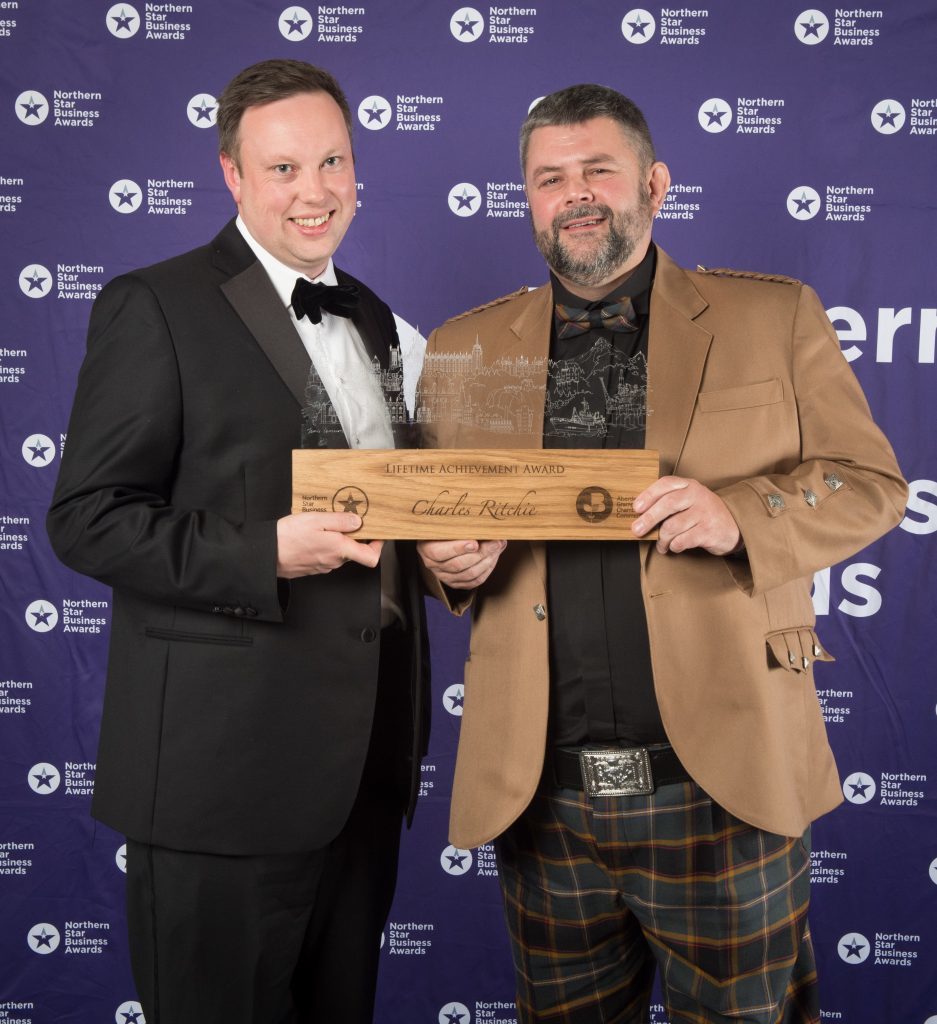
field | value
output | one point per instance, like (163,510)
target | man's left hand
(689,514)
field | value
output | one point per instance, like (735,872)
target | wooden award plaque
(477,493)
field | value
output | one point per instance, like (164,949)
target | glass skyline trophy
(481,471)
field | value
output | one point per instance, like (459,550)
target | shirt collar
(637,286)
(282,276)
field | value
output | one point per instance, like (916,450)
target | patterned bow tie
(615,316)
(310,299)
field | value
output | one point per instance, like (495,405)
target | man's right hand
(461,564)
(309,543)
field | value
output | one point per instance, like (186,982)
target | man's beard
(625,230)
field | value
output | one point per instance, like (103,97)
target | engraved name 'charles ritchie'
(445,504)
(476,469)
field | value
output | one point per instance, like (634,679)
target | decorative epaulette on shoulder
(488,305)
(748,274)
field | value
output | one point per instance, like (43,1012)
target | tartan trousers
(601,892)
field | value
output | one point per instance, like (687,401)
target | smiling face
(294,180)
(592,205)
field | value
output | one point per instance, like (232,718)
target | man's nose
(579,191)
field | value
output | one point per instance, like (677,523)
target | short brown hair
(578,103)
(266,82)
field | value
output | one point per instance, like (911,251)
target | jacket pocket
(191,637)
(747,396)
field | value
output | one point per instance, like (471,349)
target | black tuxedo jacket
(238,707)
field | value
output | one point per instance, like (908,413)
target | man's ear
(232,176)
(658,184)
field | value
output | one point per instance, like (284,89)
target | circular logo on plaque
(350,499)
(594,504)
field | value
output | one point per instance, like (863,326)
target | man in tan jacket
(641,734)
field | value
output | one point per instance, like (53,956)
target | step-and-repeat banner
(801,141)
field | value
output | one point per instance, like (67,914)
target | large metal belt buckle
(616,772)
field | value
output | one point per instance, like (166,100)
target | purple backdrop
(800,141)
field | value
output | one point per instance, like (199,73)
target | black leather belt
(616,771)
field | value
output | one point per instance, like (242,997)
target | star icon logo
(374,113)
(455,861)
(932,871)
(43,938)
(125,196)
(859,788)
(715,115)
(120,858)
(803,202)
(455,1013)
(853,948)
(129,1013)
(35,281)
(43,779)
(202,110)
(31,107)
(41,616)
(811,27)
(467,25)
(638,26)
(123,21)
(453,699)
(38,451)
(464,199)
(350,499)
(295,24)
(888,117)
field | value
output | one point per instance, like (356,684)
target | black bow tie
(613,316)
(310,299)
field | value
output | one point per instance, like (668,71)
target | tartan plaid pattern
(613,316)
(598,893)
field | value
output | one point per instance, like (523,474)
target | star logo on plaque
(42,616)
(455,1013)
(464,199)
(638,26)
(859,788)
(888,117)
(455,861)
(123,21)
(31,107)
(35,281)
(43,938)
(466,24)
(43,778)
(715,115)
(453,699)
(38,450)
(129,1013)
(202,110)
(803,203)
(125,196)
(350,499)
(853,948)
(374,112)
(295,24)
(811,27)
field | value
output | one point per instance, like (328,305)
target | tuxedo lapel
(677,350)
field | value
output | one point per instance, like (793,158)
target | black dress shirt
(602,689)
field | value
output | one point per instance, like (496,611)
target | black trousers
(280,938)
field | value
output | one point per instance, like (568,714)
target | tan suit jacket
(749,393)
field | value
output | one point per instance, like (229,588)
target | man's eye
(332,161)
(283,168)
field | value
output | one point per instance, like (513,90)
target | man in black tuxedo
(265,708)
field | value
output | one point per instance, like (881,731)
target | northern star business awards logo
(43,938)
(31,107)
(888,117)
(455,861)
(811,27)
(375,113)
(41,616)
(715,115)
(43,778)
(295,24)
(638,26)
(859,788)
(803,202)
(465,200)
(123,21)
(853,948)
(455,1013)
(35,281)
(125,196)
(202,110)
(467,25)
(453,699)
(129,1013)
(38,451)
